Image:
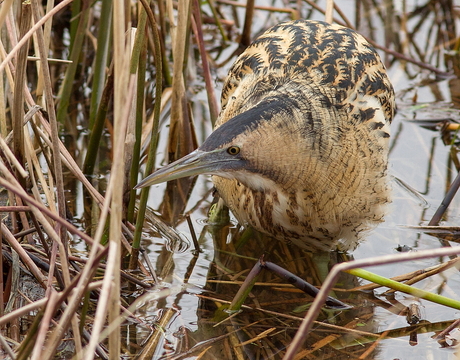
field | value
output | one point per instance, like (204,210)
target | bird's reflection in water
(273,305)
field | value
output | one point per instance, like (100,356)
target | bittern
(300,148)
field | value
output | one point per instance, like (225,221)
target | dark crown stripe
(249,120)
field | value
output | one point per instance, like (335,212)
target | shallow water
(419,159)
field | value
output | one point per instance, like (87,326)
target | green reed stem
(139,64)
(65,92)
(217,20)
(98,127)
(154,137)
(439,299)
(100,64)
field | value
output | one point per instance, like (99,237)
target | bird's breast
(310,218)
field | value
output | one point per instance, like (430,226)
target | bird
(300,146)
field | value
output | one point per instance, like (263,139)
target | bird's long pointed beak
(196,163)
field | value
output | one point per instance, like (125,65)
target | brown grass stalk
(198,30)
(328,15)
(246,37)
(19,81)
(45,324)
(41,210)
(179,111)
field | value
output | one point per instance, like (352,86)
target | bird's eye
(233,150)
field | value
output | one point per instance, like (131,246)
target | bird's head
(246,147)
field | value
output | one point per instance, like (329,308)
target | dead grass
(85,91)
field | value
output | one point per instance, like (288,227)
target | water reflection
(274,306)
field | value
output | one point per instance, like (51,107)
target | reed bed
(90,93)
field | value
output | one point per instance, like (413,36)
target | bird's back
(328,181)
(328,55)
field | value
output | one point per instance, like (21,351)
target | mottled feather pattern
(329,55)
(324,91)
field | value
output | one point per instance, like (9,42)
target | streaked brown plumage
(301,144)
